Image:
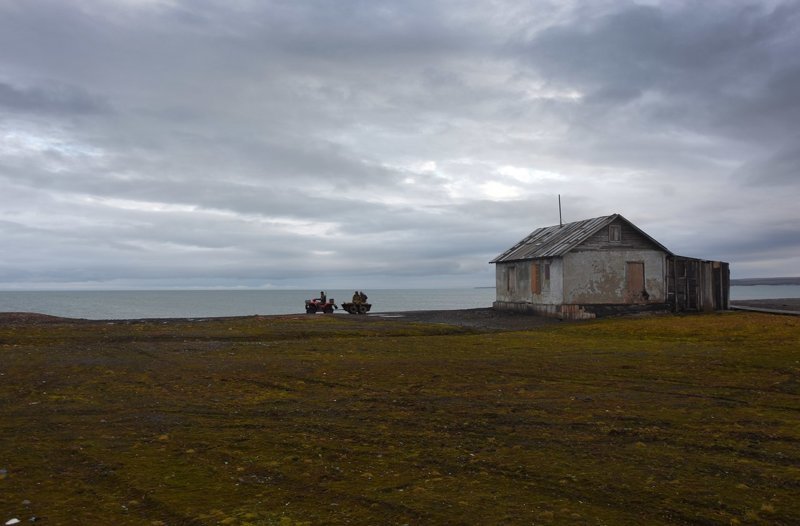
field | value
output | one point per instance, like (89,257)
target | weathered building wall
(507,283)
(604,266)
(602,276)
(554,294)
(536,281)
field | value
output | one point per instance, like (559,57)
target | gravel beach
(787,304)
(481,319)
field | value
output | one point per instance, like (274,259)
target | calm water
(205,303)
(765,292)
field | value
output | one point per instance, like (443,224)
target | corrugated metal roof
(557,240)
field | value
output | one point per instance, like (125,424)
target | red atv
(320,305)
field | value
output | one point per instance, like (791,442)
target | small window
(511,278)
(615,233)
(546,280)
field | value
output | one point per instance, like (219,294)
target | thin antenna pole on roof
(560,221)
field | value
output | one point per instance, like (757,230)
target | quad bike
(357,308)
(317,305)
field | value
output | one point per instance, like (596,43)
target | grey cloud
(767,241)
(49,99)
(713,67)
(779,168)
(224,141)
(687,48)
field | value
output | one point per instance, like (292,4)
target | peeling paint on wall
(530,286)
(599,277)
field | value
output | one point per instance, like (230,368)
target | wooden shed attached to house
(696,284)
(597,267)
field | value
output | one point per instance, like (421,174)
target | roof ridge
(581,221)
(557,240)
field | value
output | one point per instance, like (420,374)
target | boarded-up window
(536,279)
(511,278)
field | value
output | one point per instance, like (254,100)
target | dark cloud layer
(153,143)
(49,99)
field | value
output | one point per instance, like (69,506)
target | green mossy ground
(331,420)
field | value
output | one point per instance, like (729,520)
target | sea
(109,305)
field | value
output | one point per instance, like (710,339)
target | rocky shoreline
(481,318)
(785,304)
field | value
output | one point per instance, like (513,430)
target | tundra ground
(337,420)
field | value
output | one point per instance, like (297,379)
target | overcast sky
(369,143)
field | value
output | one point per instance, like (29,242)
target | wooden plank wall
(697,285)
(631,239)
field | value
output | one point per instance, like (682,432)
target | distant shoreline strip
(747,282)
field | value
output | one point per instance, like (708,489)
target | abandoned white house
(603,265)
